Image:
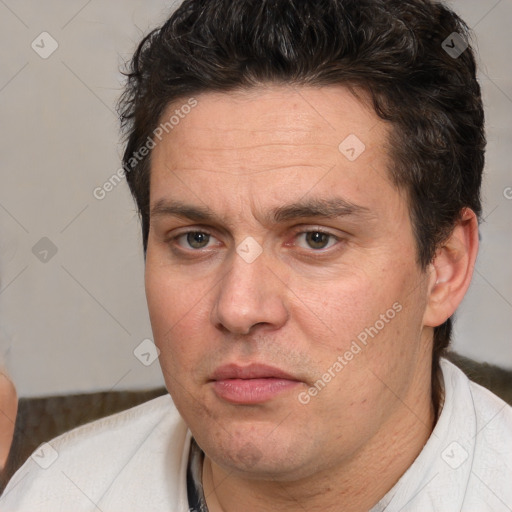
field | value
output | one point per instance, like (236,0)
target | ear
(451,270)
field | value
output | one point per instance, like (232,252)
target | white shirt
(137,461)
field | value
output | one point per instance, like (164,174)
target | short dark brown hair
(397,51)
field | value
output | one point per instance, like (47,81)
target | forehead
(272,141)
(308,117)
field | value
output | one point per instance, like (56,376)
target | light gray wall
(71,323)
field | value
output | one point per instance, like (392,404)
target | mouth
(253,384)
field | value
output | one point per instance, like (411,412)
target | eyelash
(174,240)
(186,233)
(321,232)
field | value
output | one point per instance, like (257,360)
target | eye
(194,240)
(316,240)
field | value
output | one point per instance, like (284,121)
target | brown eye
(317,240)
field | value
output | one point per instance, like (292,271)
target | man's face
(282,281)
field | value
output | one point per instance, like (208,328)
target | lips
(253,371)
(253,384)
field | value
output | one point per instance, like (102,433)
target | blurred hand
(8,410)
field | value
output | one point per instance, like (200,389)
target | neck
(353,485)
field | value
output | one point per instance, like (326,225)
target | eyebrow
(310,208)
(163,208)
(325,208)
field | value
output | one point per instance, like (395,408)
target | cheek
(177,311)
(341,307)
(362,315)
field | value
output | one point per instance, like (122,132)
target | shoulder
(484,402)
(83,464)
(486,446)
(122,429)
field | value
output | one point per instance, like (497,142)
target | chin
(256,453)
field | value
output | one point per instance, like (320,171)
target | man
(308,177)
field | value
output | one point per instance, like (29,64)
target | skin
(297,306)
(8,410)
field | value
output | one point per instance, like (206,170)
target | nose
(249,295)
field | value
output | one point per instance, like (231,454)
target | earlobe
(451,270)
